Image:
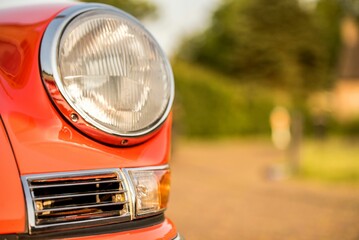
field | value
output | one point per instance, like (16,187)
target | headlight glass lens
(113,73)
(152,189)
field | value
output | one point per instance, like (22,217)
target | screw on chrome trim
(39,205)
(118,198)
(74,117)
(48,203)
(124,142)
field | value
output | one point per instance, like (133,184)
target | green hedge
(208,104)
(211,105)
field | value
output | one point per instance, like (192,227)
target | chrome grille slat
(79,207)
(76,198)
(77,195)
(69,184)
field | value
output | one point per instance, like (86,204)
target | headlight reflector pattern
(110,71)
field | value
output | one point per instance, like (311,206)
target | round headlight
(106,73)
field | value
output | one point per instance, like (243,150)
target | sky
(176,18)
(180,18)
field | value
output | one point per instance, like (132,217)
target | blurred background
(266,115)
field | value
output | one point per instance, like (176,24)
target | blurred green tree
(327,16)
(272,42)
(351,7)
(138,8)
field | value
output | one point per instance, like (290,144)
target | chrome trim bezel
(34,228)
(124,176)
(133,191)
(178,237)
(50,76)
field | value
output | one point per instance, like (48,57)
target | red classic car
(85,125)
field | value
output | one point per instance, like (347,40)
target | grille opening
(79,214)
(75,199)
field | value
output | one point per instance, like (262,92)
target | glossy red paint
(35,138)
(165,230)
(42,140)
(84,127)
(18,43)
(12,206)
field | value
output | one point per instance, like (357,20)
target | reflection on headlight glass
(113,72)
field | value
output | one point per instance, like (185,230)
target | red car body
(36,139)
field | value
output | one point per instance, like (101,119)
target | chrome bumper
(178,237)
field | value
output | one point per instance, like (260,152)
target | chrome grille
(75,199)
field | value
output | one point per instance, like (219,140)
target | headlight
(151,188)
(106,73)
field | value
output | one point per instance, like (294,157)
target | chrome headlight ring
(106,74)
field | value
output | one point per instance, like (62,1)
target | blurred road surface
(219,191)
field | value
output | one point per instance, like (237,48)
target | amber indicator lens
(152,189)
